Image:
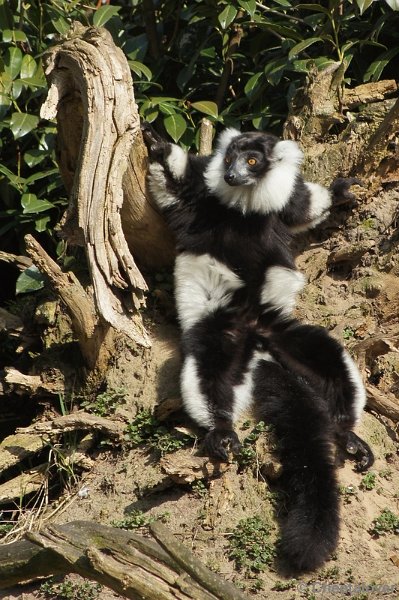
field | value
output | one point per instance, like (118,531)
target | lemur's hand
(340,190)
(218,442)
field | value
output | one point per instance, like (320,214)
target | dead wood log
(102,160)
(77,421)
(95,336)
(362,140)
(131,565)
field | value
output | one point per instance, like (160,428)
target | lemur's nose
(229,177)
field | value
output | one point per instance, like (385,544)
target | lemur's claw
(218,443)
(340,190)
(360,450)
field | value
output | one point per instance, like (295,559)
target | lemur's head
(247,158)
(253,172)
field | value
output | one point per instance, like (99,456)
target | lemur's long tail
(309,531)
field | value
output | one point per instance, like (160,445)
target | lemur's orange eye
(227,160)
(251,161)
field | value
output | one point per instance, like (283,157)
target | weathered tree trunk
(128,563)
(103,162)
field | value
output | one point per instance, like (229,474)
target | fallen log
(128,563)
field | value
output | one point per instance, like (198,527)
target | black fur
(305,387)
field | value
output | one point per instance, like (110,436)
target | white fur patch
(319,206)
(194,400)
(271,193)
(359,400)
(281,287)
(202,285)
(157,184)
(243,393)
(177,161)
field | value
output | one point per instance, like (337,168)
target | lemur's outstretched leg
(214,379)
(313,354)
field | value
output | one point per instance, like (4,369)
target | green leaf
(274,70)
(13,62)
(167,109)
(376,68)
(104,14)
(28,66)
(34,157)
(33,205)
(249,6)
(394,4)
(30,280)
(5,103)
(175,125)
(140,69)
(302,46)
(227,16)
(22,123)
(61,25)
(314,7)
(363,5)
(14,35)
(252,84)
(16,89)
(14,180)
(207,107)
(41,224)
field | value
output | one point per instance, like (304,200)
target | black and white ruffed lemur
(233,215)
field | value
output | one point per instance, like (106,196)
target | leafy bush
(238,62)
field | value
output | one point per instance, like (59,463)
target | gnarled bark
(128,563)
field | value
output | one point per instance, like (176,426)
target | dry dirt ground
(357,298)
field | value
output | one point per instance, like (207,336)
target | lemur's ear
(287,151)
(226,137)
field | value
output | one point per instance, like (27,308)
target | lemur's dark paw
(153,141)
(360,451)
(340,189)
(218,443)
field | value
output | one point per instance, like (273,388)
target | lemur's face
(247,158)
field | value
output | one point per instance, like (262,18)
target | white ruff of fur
(243,393)
(271,193)
(177,161)
(359,400)
(194,400)
(281,287)
(202,285)
(157,186)
(319,206)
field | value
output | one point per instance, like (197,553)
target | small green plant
(247,453)
(329,574)
(387,522)
(369,481)
(386,474)
(199,488)
(250,546)
(67,590)
(348,333)
(348,492)
(106,403)
(5,528)
(282,586)
(137,519)
(146,429)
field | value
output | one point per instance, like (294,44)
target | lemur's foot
(360,451)
(218,443)
(340,190)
